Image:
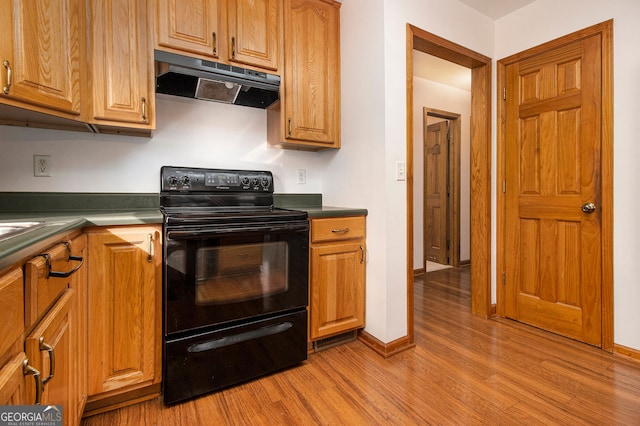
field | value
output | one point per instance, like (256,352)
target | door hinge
(504,93)
(504,278)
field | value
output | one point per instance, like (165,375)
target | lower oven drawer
(206,362)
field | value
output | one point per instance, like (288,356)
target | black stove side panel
(207,362)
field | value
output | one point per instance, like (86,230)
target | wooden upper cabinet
(308,114)
(190,26)
(254,32)
(40,55)
(122,89)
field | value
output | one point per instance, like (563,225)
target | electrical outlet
(401,171)
(42,165)
(302,176)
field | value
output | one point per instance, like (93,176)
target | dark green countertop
(312,204)
(66,212)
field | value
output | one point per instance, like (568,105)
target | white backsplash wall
(190,133)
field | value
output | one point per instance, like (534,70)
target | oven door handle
(239,338)
(210,232)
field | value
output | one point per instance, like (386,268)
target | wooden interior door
(436,161)
(553,248)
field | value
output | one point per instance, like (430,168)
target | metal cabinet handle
(289,131)
(150,252)
(215,43)
(52,360)
(6,88)
(28,370)
(56,274)
(340,231)
(233,47)
(361,253)
(144,110)
(589,208)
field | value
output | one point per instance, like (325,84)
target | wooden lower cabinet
(13,383)
(337,276)
(53,344)
(124,315)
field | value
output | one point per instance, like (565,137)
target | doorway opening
(480,166)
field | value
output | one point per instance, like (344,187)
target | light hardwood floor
(464,370)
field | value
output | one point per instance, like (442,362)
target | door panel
(436,161)
(553,143)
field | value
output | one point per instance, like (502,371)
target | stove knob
(172,180)
(264,182)
(185,180)
(254,181)
(244,181)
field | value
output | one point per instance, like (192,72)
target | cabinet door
(122,63)
(13,383)
(40,54)
(124,308)
(79,321)
(254,32)
(190,26)
(336,288)
(50,349)
(312,72)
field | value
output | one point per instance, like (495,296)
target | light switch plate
(401,170)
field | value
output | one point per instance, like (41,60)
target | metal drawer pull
(56,274)
(52,360)
(340,231)
(28,370)
(144,110)
(215,43)
(8,85)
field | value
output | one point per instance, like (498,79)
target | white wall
(545,20)
(373,37)
(189,133)
(431,94)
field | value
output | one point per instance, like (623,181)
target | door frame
(480,147)
(453,213)
(605,31)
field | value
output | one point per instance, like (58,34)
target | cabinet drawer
(42,286)
(334,229)
(11,308)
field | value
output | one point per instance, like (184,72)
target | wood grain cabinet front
(337,276)
(121,66)
(13,360)
(40,51)
(243,32)
(307,116)
(124,310)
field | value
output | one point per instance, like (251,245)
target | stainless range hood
(212,81)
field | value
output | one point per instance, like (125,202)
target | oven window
(235,273)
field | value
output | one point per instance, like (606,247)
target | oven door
(216,275)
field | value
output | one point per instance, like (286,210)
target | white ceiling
(496,8)
(441,71)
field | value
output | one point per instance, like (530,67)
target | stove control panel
(186,179)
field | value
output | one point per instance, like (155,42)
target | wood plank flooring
(464,370)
